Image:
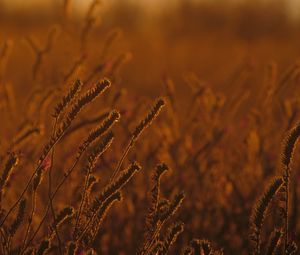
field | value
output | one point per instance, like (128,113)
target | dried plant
(260,210)
(70,181)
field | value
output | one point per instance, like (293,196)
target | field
(133,131)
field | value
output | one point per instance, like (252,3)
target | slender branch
(66,175)
(30,218)
(82,202)
(125,153)
(49,193)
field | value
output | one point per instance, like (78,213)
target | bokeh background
(167,36)
(229,70)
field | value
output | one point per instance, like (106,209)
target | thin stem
(30,218)
(87,225)
(115,173)
(49,192)
(4,246)
(258,245)
(9,245)
(153,237)
(81,203)
(287,180)
(30,180)
(21,196)
(66,175)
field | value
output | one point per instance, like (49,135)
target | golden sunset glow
(149,127)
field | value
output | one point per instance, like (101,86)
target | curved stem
(30,218)
(81,203)
(87,225)
(30,180)
(49,192)
(148,247)
(66,175)
(287,180)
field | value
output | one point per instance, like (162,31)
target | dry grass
(93,164)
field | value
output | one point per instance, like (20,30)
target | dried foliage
(79,136)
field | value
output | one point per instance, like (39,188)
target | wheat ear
(287,155)
(11,162)
(19,219)
(106,124)
(274,241)
(173,232)
(151,221)
(260,210)
(81,102)
(137,132)
(164,213)
(103,212)
(67,99)
(93,158)
(63,215)
(108,191)
(160,170)
(88,97)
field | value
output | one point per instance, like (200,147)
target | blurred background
(209,38)
(229,70)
